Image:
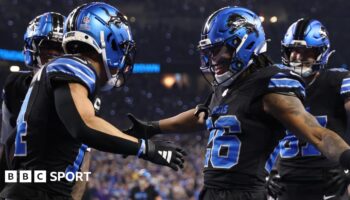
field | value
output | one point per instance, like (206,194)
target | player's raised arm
(184,122)
(290,111)
(77,114)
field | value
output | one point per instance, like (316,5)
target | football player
(57,119)
(252,102)
(305,172)
(42,42)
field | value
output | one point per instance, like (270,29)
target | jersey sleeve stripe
(280,75)
(345,87)
(270,163)
(338,70)
(344,90)
(83,73)
(286,83)
(79,65)
(346,81)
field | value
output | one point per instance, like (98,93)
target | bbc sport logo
(40,176)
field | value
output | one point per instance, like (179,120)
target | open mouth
(219,69)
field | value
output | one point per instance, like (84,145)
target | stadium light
(14,68)
(168,81)
(132,19)
(273,19)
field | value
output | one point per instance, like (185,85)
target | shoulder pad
(287,81)
(281,66)
(338,70)
(68,68)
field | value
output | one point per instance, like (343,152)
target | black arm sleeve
(75,125)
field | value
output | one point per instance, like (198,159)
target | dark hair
(262,60)
(83,49)
(76,47)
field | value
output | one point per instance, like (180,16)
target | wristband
(142,149)
(156,127)
(344,159)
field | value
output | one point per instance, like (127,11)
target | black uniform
(42,141)
(242,134)
(15,88)
(14,91)
(303,169)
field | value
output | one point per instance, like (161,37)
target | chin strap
(225,79)
(110,80)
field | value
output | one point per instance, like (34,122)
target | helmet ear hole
(114,45)
(79,47)
(250,45)
(109,37)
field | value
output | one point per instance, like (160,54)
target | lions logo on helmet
(238,29)
(106,29)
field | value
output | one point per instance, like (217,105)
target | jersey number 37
(291,147)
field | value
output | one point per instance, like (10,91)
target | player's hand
(274,189)
(164,153)
(201,108)
(339,182)
(142,129)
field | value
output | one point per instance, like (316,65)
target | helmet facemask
(226,56)
(305,61)
(217,60)
(308,38)
(117,77)
(238,30)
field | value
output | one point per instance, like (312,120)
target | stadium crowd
(113,177)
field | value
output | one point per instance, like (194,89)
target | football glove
(274,189)
(204,108)
(201,108)
(142,129)
(162,153)
(338,184)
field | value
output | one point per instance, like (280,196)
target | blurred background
(167,79)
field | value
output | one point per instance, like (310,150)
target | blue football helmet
(240,30)
(45,27)
(106,29)
(310,34)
